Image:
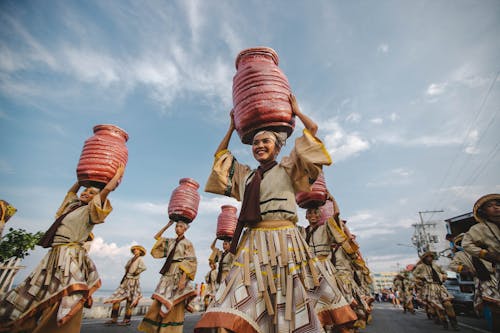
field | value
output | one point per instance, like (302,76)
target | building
(383,280)
(431,236)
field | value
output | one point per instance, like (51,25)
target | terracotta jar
(260,94)
(226,222)
(184,201)
(101,155)
(314,198)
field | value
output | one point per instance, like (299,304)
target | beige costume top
(77,225)
(481,238)
(277,189)
(424,272)
(320,240)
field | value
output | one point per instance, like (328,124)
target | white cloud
(471,140)
(435,89)
(91,66)
(393,117)
(377,121)
(353,117)
(212,205)
(99,248)
(383,48)
(342,145)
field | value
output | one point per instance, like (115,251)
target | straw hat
(428,253)
(140,248)
(481,201)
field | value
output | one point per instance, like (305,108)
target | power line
(467,133)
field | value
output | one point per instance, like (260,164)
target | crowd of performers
(476,256)
(272,276)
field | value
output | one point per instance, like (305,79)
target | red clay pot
(316,197)
(101,155)
(260,94)
(226,222)
(184,201)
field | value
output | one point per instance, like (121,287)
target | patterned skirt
(276,285)
(129,290)
(435,294)
(66,275)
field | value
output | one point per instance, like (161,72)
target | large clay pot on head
(184,201)
(260,94)
(226,222)
(101,155)
(314,198)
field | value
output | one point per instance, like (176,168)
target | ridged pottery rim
(189,181)
(257,50)
(113,128)
(229,207)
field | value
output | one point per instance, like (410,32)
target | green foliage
(17,243)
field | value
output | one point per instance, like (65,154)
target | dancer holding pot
(52,297)
(270,285)
(175,289)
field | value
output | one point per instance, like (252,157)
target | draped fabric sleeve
(160,248)
(471,245)
(98,211)
(189,263)
(70,198)
(306,161)
(227,176)
(141,267)
(419,273)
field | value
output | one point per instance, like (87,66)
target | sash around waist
(273,225)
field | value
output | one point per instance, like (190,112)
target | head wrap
(279,137)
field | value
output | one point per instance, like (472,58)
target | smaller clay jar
(101,155)
(226,222)
(184,201)
(314,198)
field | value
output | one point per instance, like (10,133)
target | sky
(406,95)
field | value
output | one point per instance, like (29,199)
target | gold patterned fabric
(276,285)
(130,288)
(167,312)
(431,292)
(65,276)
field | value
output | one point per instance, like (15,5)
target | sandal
(124,323)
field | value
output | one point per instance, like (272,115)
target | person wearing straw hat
(52,297)
(482,242)
(129,289)
(275,283)
(175,290)
(403,285)
(434,292)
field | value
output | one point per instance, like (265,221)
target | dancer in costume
(434,293)
(275,283)
(175,289)
(129,289)
(482,242)
(52,297)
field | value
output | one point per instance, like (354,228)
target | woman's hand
(294,104)
(309,124)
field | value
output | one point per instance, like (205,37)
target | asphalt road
(386,319)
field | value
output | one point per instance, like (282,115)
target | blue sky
(406,94)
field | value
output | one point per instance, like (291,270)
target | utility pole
(423,235)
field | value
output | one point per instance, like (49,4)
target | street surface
(386,319)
